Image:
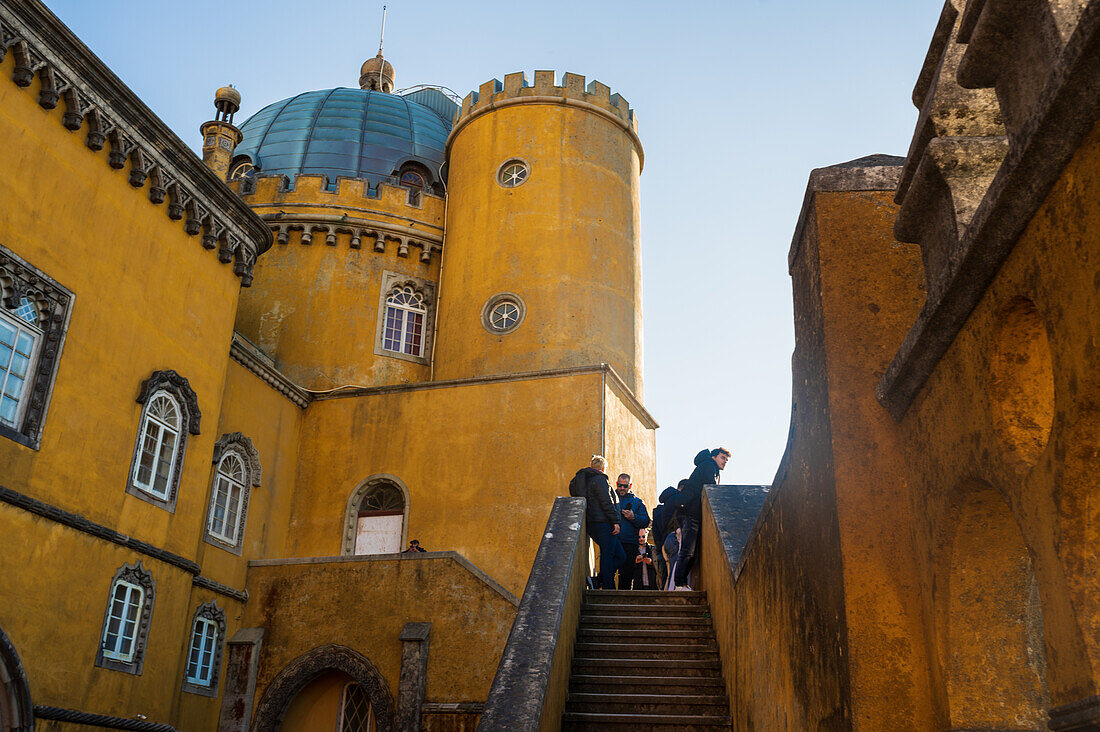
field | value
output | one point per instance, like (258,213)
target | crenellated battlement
(349,192)
(516,87)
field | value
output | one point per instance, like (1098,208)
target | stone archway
(16,711)
(307,667)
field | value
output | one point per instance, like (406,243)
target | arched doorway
(328,686)
(376,518)
(16,712)
(994,654)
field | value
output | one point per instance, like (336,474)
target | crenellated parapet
(353,214)
(595,97)
(50,59)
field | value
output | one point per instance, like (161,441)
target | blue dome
(350,132)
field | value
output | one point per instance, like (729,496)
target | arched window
(170,412)
(204,650)
(237,471)
(126,620)
(20,339)
(228,500)
(159,438)
(412,179)
(376,516)
(356,714)
(406,313)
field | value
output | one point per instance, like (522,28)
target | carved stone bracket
(94,98)
(357,230)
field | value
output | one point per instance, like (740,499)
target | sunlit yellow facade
(258,307)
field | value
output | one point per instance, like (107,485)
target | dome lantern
(377,74)
(227,101)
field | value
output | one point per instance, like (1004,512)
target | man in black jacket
(602,520)
(689,505)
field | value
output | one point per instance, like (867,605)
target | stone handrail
(529,689)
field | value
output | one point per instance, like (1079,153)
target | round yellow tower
(542,267)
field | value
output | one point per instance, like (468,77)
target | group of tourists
(617,522)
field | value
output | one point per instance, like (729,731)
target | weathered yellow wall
(482,462)
(629,444)
(314,307)
(317,706)
(273,423)
(871,291)
(364,603)
(81,223)
(566,241)
(1042,461)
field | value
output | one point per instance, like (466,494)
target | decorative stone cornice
(256,361)
(113,116)
(329,225)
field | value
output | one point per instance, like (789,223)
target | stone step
(619,608)
(685,704)
(701,634)
(607,684)
(629,648)
(594,722)
(658,597)
(636,623)
(691,667)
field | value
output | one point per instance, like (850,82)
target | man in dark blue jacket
(634,517)
(689,505)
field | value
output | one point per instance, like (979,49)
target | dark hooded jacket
(690,501)
(602,507)
(664,516)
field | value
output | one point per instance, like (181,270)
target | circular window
(513,173)
(503,313)
(242,169)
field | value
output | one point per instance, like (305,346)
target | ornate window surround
(190,416)
(390,280)
(54,304)
(135,574)
(242,447)
(206,611)
(351,513)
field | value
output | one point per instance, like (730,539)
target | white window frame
(115,654)
(406,312)
(204,645)
(230,530)
(21,400)
(391,282)
(147,418)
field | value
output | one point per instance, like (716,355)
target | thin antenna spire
(381,37)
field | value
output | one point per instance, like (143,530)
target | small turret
(377,74)
(219,136)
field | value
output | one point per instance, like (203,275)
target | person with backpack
(601,517)
(689,506)
(664,527)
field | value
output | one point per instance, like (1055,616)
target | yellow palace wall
(84,225)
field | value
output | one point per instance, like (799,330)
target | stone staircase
(646,661)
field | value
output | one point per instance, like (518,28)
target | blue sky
(737,101)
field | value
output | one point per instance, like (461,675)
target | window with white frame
(170,413)
(20,339)
(160,433)
(236,472)
(228,498)
(356,713)
(126,620)
(34,317)
(120,635)
(204,650)
(406,317)
(406,314)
